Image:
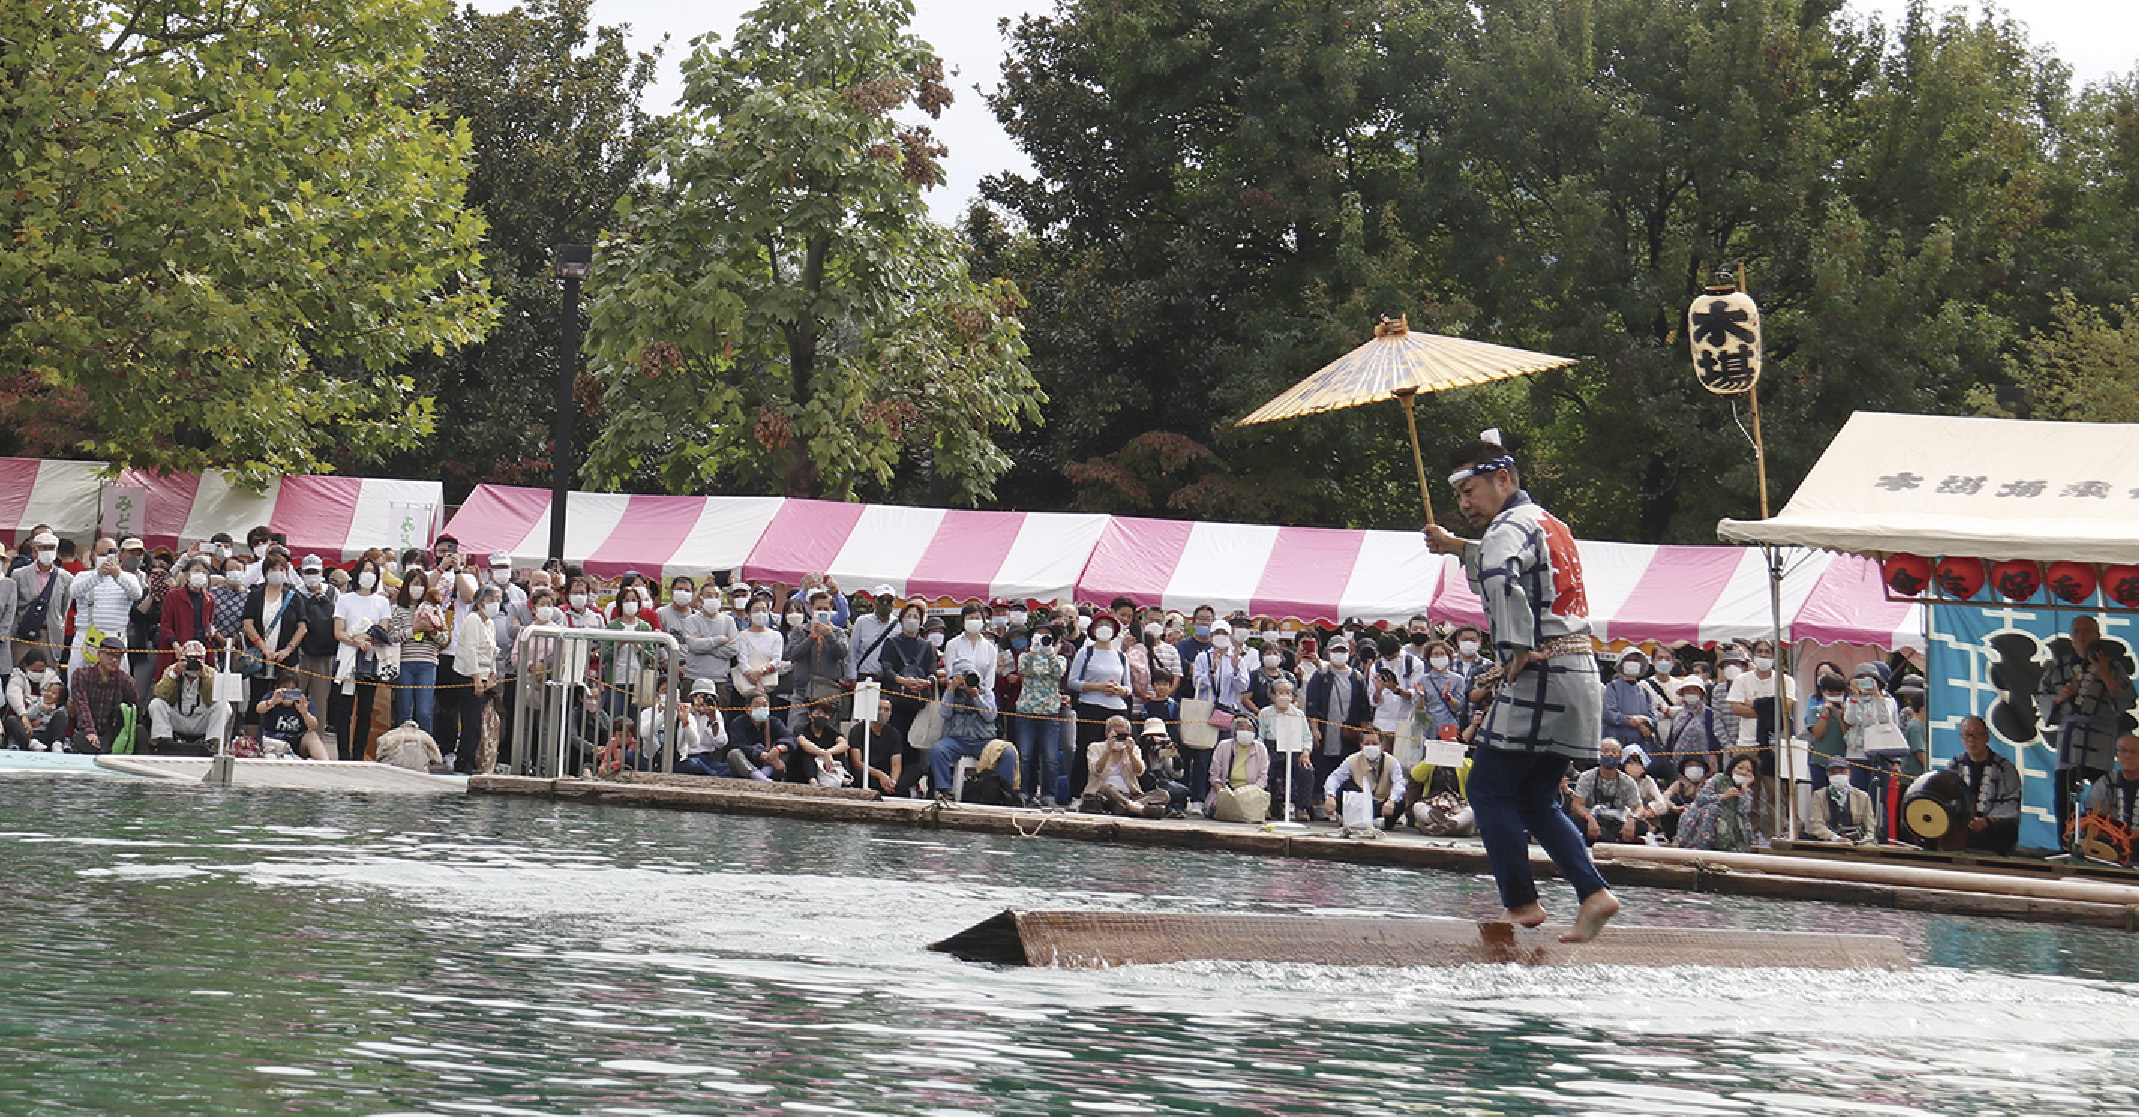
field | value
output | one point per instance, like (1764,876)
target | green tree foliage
(553,109)
(1228,191)
(2083,368)
(224,225)
(783,315)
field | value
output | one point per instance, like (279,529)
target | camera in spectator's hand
(972,681)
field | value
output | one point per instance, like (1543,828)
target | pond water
(182,950)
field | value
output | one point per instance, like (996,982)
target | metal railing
(553,676)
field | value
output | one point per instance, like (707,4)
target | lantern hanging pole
(1760,452)
(1408,397)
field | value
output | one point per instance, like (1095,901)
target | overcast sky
(2097,38)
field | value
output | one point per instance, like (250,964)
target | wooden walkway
(308,775)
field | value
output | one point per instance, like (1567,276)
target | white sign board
(123,511)
(1290,730)
(1441,753)
(867,695)
(411,525)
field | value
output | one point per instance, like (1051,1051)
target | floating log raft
(1098,940)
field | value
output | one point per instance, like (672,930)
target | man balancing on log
(1549,706)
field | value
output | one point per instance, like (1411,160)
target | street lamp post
(572,262)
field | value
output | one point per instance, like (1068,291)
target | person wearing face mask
(39,597)
(1629,709)
(581,610)
(1471,662)
(475,657)
(418,627)
(1607,804)
(1825,727)
(908,672)
(188,610)
(1240,769)
(99,696)
(1148,649)
(1220,677)
(967,679)
(708,634)
(1840,811)
(1439,694)
(1721,815)
(1370,771)
(1753,699)
(357,615)
(104,594)
(1872,724)
(1037,728)
(820,752)
(621,662)
(1678,795)
(818,648)
(315,653)
(758,740)
(24,686)
(273,628)
(1696,733)
(1198,638)
(1338,709)
(871,631)
(758,652)
(1270,670)
(1732,660)
(1098,682)
(682,602)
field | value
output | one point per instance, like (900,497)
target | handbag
(1885,737)
(31,624)
(251,663)
(927,727)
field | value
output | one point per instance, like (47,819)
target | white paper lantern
(1724,327)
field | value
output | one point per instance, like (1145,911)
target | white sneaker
(37,746)
(1195,810)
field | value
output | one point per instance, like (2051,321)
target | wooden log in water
(1099,939)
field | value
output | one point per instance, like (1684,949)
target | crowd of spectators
(1122,708)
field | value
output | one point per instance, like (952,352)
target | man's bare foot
(1528,915)
(1599,908)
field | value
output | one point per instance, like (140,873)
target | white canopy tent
(1980,488)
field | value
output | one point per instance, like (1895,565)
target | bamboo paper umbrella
(1399,364)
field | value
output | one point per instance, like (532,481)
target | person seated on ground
(620,750)
(1240,765)
(101,699)
(1438,797)
(968,714)
(2109,817)
(820,751)
(1607,805)
(1165,770)
(1840,812)
(1721,816)
(758,741)
(24,686)
(1372,772)
(701,733)
(1993,790)
(1114,769)
(1678,796)
(1634,764)
(887,770)
(44,726)
(288,720)
(184,718)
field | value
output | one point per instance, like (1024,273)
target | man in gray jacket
(707,634)
(40,580)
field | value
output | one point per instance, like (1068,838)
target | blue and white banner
(1986,661)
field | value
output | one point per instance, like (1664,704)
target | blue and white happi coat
(1528,575)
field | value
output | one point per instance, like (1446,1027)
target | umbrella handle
(1411,422)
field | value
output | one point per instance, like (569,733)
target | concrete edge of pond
(1949,892)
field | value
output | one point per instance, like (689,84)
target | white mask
(1664,666)
(973,626)
(1731,671)
(1744,779)
(312,580)
(1838,781)
(1371,752)
(1271,661)
(501,574)
(578,600)
(47,557)
(277,578)
(1338,659)
(546,614)
(489,608)
(1019,616)
(1221,641)
(198,579)
(367,579)
(1244,735)
(794,620)
(911,626)
(1631,669)
(1694,772)
(630,607)
(1103,634)
(1763,663)
(760,619)
(1154,630)
(935,640)
(1468,647)
(390,566)
(1438,663)
(1693,699)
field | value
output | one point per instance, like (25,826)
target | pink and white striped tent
(332,516)
(932,553)
(1637,592)
(610,533)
